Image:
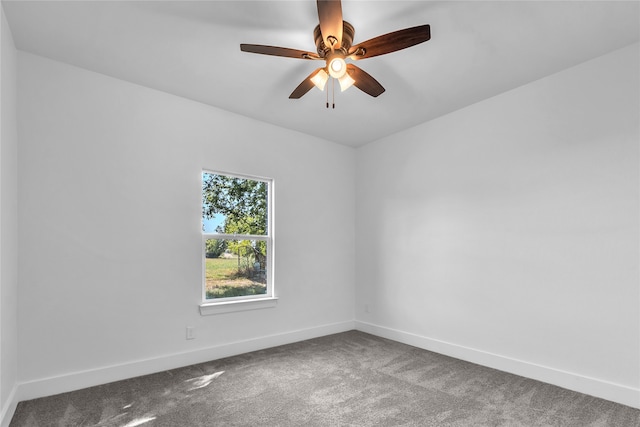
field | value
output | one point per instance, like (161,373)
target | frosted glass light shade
(345,82)
(320,79)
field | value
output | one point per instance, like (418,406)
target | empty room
(319,213)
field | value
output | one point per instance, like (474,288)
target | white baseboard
(79,380)
(594,387)
(9,408)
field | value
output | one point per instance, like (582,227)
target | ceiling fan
(334,38)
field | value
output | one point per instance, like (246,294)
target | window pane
(235,268)
(233,205)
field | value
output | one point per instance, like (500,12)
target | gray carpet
(347,379)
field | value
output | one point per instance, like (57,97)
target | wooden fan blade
(391,42)
(364,81)
(304,87)
(330,16)
(278,51)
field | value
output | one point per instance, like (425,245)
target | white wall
(506,233)
(8,222)
(110,229)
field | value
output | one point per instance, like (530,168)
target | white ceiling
(191,49)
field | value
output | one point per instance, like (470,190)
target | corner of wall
(7,411)
(8,224)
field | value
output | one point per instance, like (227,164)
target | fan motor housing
(347,39)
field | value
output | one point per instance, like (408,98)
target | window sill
(211,308)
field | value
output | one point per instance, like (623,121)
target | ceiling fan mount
(334,44)
(347,39)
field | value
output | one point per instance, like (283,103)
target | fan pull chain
(333,92)
(327,91)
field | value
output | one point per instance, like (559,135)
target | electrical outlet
(366,308)
(191,332)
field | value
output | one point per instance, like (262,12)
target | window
(236,238)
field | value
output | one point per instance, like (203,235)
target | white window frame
(248,302)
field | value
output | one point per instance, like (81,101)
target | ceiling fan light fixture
(346,82)
(337,67)
(320,79)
